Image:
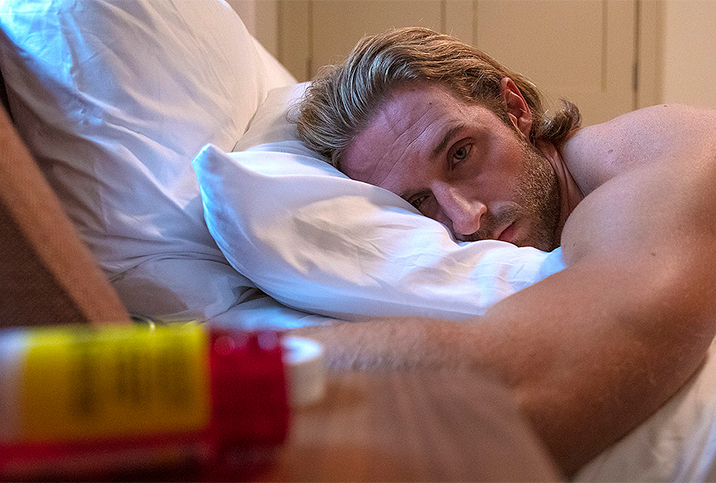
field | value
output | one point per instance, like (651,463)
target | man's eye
(461,154)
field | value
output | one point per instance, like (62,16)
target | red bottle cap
(248,388)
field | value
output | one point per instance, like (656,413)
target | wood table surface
(411,426)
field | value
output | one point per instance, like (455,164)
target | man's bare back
(597,153)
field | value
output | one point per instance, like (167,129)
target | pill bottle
(135,401)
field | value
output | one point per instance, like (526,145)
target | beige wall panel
(294,37)
(261,19)
(582,50)
(339,24)
(650,53)
(459,19)
(552,42)
(690,52)
(267,24)
(247,11)
(618,94)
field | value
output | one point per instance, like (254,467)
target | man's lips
(508,234)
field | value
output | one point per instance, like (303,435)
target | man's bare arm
(593,350)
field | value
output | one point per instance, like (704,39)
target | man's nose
(465,214)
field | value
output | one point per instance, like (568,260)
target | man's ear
(517,108)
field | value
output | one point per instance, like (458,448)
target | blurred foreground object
(411,425)
(80,402)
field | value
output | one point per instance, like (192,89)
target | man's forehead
(365,158)
(414,119)
(405,114)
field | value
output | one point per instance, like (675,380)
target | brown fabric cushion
(47,275)
(3,95)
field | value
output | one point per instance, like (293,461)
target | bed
(163,128)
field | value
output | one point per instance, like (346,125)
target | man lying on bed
(594,349)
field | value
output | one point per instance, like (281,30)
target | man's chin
(546,244)
(545,240)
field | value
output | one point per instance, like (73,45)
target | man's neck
(570,193)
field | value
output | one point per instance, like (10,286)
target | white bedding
(677,444)
(116,97)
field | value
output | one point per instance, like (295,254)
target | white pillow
(114,98)
(315,240)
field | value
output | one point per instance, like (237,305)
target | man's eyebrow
(449,134)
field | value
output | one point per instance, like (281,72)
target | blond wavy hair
(342,98)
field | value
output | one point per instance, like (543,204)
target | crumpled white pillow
(318,241)
(114,98)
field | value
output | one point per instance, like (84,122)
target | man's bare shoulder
(595,154)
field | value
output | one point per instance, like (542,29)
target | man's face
(460,164)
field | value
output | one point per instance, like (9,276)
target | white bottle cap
(305,370)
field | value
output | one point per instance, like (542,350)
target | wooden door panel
(339,24)
(582,50)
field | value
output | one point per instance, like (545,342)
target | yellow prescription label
(82,382)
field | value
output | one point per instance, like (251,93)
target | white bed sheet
(677,444)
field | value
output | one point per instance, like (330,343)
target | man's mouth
(508,234)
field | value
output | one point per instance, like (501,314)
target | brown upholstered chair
(47,275)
